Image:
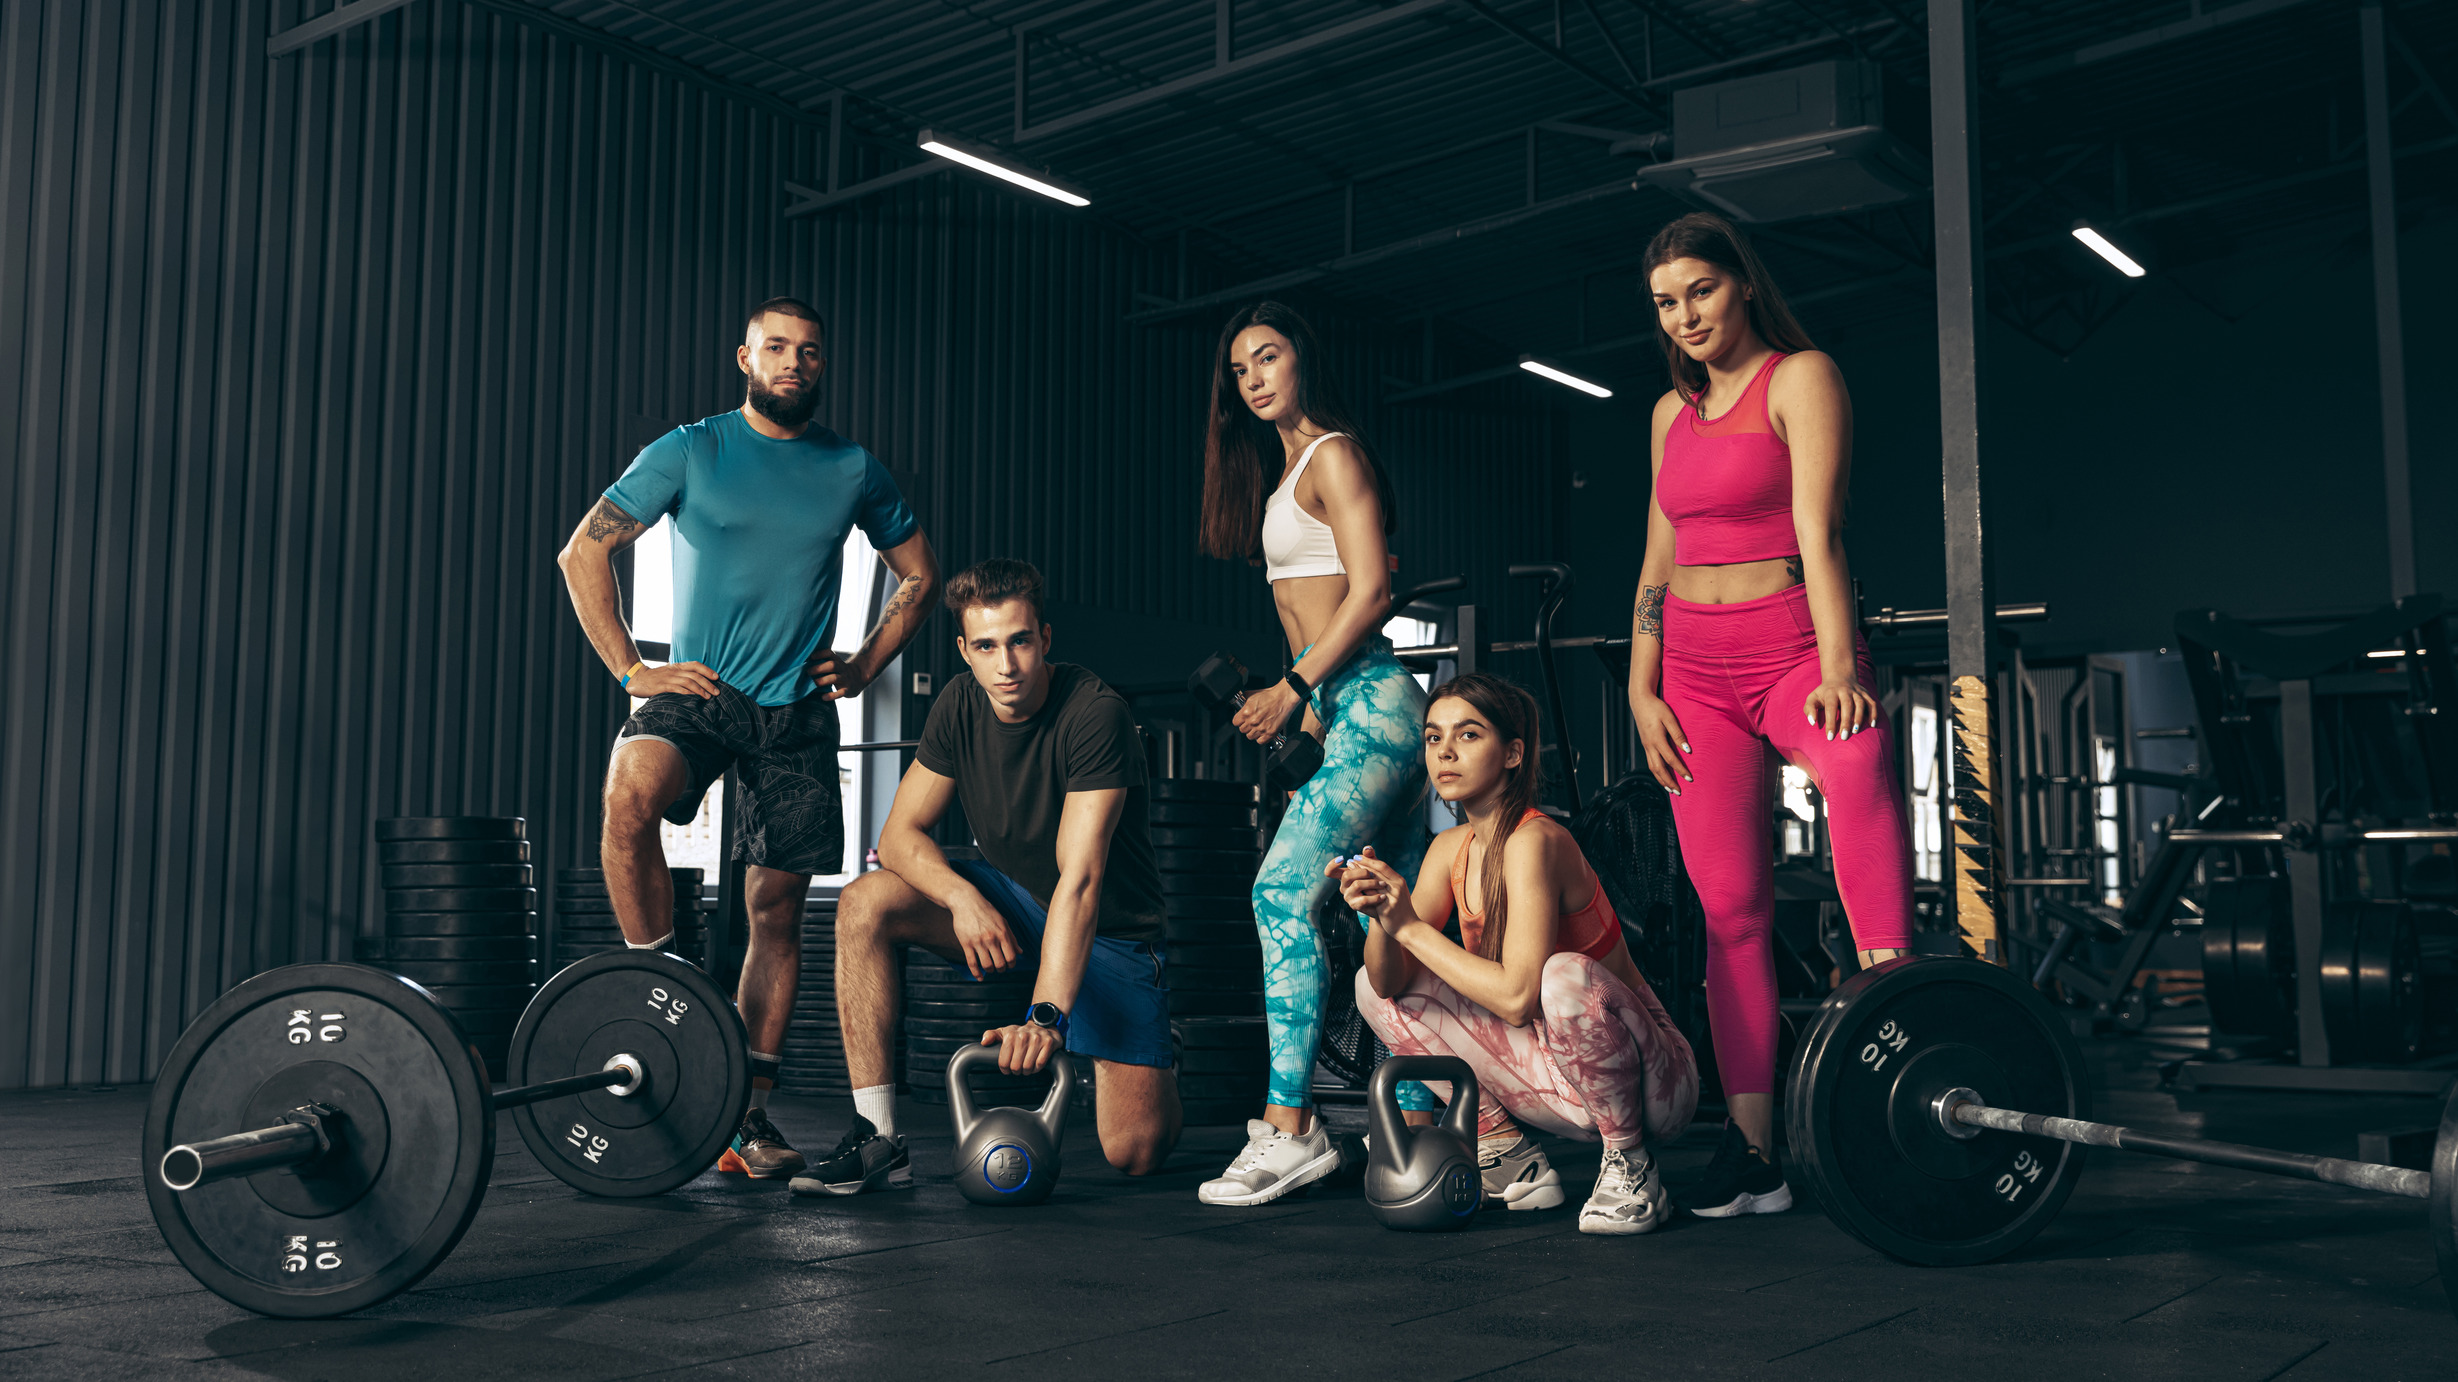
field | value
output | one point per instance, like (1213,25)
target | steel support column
(2379,161)
(1971,635)
(2302,799)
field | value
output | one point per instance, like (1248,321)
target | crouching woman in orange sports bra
(1539,995)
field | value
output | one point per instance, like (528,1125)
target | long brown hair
(1511,713)
(1236,441)
(1700,235)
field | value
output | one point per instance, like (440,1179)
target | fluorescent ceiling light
(2099,245)
(980,161)
(1561,376)
(2387,652)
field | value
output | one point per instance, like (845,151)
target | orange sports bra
(1590,931)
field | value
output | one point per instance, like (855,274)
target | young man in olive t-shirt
(1050,769)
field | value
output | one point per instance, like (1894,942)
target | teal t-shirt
(759,541)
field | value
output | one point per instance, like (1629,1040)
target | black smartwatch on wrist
(1298,684)
(1050,1016)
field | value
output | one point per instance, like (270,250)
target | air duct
(1807,141)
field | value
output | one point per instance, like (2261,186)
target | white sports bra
(1295,542)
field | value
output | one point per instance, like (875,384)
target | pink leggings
(1601,1060)
(1736,677)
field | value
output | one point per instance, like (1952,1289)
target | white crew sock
(878,1104)
(657,944)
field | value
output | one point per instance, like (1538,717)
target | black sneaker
(863,1160)
(1739,1181)
(759,1150)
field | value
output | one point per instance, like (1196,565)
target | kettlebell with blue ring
(1423,1179)
(1008,1156)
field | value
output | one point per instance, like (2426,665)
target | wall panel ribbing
(307,366)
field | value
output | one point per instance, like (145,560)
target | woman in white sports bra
(1284,471)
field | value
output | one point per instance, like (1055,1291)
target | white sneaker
(1273,1164)
(1517,1176)
(1629,1196)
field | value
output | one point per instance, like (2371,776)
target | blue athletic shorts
(1121,1009)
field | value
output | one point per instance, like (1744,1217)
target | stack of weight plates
(1206,838)
(459,910)
(945,1010)
(814,1054)
(585,922)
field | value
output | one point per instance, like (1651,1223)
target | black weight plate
(923,1028)
(681,1027)
(1235,839)
(453,852)
(1212,1113)
(488,1022)
(460,997)
(458,923)
(1186,1004)
(362,1225)
(2372,981)
(1242,959)
(1240,980)
(1257,1063)
(1193,813)
(599,905)
(1224,1033)
(452,828)
(460,948)
(1177,888)
(931,1007)
(466,971)
(1203,934)
(1863,1127)
(403,876)
(2249,957)
(1235,863)
(1206,790)
(963,991)
(570,875)
(461,900)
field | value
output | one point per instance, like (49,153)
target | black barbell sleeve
(2359,1175)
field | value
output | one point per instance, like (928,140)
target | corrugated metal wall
(307,366)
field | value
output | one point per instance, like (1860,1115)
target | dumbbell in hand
(1292,756)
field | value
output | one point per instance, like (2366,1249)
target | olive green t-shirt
(1014,781)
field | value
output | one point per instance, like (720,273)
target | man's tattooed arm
(607,521)
(1651,611)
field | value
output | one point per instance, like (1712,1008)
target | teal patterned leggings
(1369,791)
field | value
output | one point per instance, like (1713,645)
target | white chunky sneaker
(1517,1176)
(1629,1195)
(1273,1164)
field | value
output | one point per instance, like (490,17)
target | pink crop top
(1726,483)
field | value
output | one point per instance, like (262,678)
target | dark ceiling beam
(2431,84)
(2201,23)
(1785,50)
(1612,44)
(1218,71)
(1643,99)
(1687,34)
(340,17)
(1432,239)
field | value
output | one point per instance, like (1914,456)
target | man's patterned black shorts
(788,812)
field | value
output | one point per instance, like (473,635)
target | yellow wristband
(633,671)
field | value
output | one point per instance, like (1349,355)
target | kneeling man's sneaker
(759,1150)
(1629,1195)
(863,1160)
(1273,1164)
(1517,1176)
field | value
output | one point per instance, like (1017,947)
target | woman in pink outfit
(1538,995)
(1744,648)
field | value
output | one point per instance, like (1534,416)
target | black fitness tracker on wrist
(1050,1016)
(1298,685)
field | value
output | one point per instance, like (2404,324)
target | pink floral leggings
(1600,1060)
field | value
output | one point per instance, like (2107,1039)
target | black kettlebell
(1293,755)
(1007,1156)
(1423,1178)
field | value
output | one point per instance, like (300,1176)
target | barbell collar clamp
(300,1138)
(2356,1175)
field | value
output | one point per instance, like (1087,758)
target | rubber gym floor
(2157,1269)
